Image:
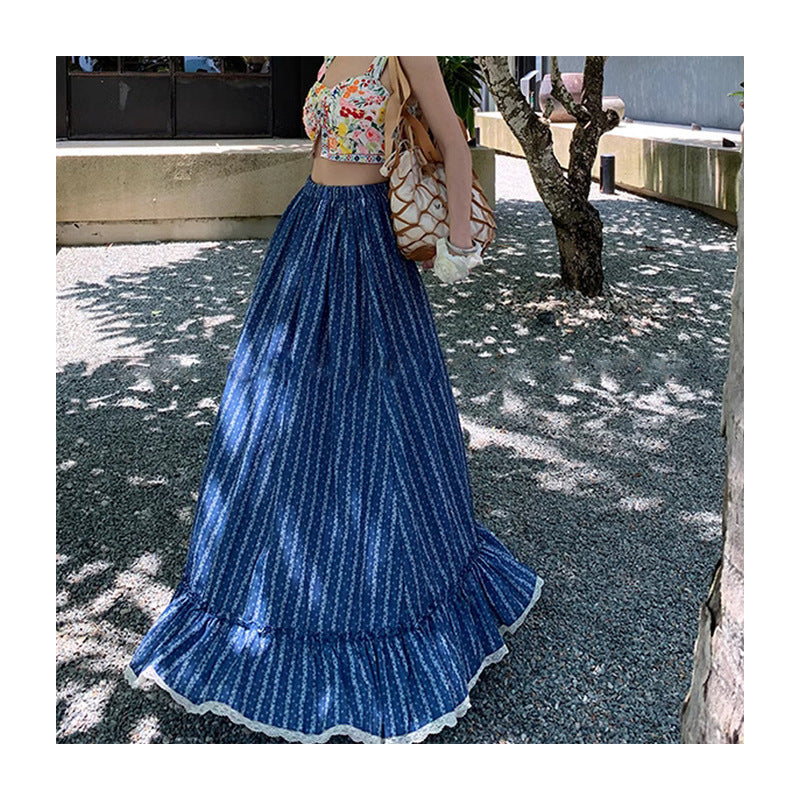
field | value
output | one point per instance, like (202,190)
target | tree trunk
(713,710)
(579,230)
(580,245)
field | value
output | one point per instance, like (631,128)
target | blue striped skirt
(337,581)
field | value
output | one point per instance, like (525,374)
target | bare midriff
(341,173)
(344,173)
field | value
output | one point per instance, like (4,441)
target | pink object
(573,81)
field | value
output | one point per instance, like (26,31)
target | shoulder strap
(376,67)
(324,68)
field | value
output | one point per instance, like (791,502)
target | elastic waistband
(355,189)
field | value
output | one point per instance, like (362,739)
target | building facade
(181,97)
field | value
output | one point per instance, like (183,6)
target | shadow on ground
(592,430)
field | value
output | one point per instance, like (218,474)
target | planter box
(668,162)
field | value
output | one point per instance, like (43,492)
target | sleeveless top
(348,118)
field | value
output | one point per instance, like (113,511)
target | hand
(450,268)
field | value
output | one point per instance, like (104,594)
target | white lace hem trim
(356,734)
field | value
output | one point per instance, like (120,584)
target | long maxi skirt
(337,581)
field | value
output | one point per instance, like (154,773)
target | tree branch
(593,94)
(593,84)
(517,111)
(560,93)
(531,131)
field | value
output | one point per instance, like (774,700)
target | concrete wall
(200,190)
(678,90)
(673,164)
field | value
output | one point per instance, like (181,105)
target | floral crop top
(347,120)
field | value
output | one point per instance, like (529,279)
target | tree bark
(713,710)
(580,246)
(579,229)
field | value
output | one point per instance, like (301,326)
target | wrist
(460,248)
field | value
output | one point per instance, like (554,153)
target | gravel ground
(593,442)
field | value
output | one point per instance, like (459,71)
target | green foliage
(739,94)
(461,77)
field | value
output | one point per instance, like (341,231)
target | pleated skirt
(337,580)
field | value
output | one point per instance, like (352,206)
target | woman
(337,581)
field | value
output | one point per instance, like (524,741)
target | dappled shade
(591,428)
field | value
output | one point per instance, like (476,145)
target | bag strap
(398,114)
(400,92)
(422,138)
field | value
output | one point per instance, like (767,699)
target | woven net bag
(417,183)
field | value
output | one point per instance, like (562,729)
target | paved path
(593,448)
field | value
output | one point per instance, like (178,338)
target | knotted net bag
(417,183)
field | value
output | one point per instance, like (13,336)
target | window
(167,96)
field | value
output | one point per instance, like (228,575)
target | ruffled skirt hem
(448,719)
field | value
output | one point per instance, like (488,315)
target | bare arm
(428,85)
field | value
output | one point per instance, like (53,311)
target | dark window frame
(81,119)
